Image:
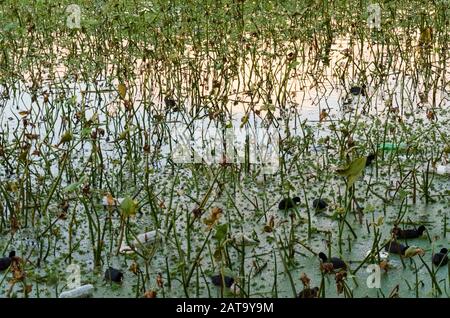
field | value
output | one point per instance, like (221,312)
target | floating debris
(413,251)
(142,239)
(392,146)
(383,255)
(109,200)
(241,238)
(442,170)
(84,291)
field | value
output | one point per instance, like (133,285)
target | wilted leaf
(426,36)
(110,201)
(122,89)
(305,280)
(215,215)
(150,294)
(323,115)
(24,112)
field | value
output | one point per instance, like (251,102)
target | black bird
(288,203)
(170,102)
(358,90)
(337,262)
(320,204)
(5,262)
(409,233)
(114,275)
(396,248)
(370,158)
(309,293)
(441,258)
(219,280)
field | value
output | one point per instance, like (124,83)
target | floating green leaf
(128,207)
(221,232)
(66,137)
(353,171)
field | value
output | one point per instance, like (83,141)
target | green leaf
(128,207)
(221,232)
(354,169)
(74,186)
(68,136)
(244,120)
(86,132)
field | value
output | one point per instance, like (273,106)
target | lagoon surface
(159,138)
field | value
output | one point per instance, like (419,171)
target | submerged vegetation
(101,193)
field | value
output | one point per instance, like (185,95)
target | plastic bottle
(392,146)
(84,291)
(441,169)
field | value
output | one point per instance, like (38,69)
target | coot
(409,233)
(396,248)
(220,280)
(288,203)
(5,262)
(337,262)
(114,275)
(441,258)
(320,204)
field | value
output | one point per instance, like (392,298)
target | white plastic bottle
(441,169)
(84,291)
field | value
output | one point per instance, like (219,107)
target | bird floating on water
(309,293)
(288,203)
(222,280)
(441,258)
(337,262)
(408,233)
(359,90)
(396,248)
(320,204)
(5,262)
(403,250)
(370,158)
(113,275)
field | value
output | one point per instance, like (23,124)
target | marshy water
(191,120)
